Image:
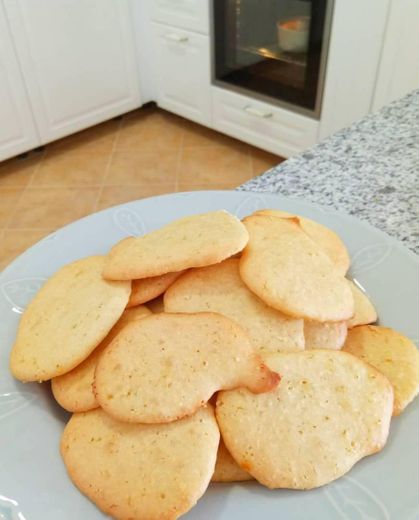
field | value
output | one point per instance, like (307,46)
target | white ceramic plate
(33,481)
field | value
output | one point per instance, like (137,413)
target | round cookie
(327,239)
(365,312)
(147,289)
(219,288)
(327,335)
(73,390)
(71,314)
(138,471)
(226,468)
(330,410)
(165,366)
(291,273)
(392,354)
(193,241)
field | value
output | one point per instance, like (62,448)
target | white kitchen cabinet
(78,61)
(261,124)
(358,30)
(17,128)
(185,14)
(398,73)
(182,70)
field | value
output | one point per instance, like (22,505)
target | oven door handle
(176,38)
(256,112)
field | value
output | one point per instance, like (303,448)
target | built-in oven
(273,49)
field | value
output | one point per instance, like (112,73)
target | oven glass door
(272,47)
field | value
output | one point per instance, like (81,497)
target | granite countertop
(369,170)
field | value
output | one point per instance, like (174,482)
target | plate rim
(399,248)
(398,244)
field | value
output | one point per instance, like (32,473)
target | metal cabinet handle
(256,112)
(176,38)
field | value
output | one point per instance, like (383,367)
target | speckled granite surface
(369,170)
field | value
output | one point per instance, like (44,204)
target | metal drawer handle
(256,112)
(176,38)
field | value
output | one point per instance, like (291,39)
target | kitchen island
(369,170)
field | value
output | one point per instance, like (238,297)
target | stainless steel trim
(323,58)
(212,40)
(177,38)
(256,112)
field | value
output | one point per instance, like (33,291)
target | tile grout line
(108,165)
(179,158)
(29,184)
(250,152)
(2,265)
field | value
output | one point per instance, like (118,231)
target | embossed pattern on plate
(19,292)
(9,509)
(129,221)
(14,402)
(33,478)
(351,499)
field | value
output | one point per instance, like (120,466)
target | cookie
(193,241)
(226,468)
(156,305)
(291,273)
(165,366)
(327,239)
(365,312)
(219,288)
(141,471)
(327,335)
(147,289)
(330,410)
(73,390)
(68,318)
(392,354)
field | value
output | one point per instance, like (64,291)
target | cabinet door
(186,14)
(354,54)
(17,129)
(399,67)
(78,61)
(183,72)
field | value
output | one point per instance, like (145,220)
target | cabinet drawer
(186,14)
(183,72)
(274,129)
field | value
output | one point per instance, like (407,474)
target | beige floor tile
(162,138)
(262,161)
(146,153)
(17,172)
(214,164)
(133,168)
(151,130)
(8,200)
(130,133)
(97,139)
(112,195)
(52,207)
(197,135)
(204,187)
(70,169)
(14,242)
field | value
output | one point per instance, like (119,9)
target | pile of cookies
(214,349)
